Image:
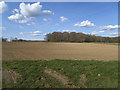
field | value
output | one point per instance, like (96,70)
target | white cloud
(25,20)
(32,23)
(44,19)
(47,12)
(35,33)
(21,33)
(28,12)
(2,28)
(16,17)
(46,33)
(110,27)
(86,23)
(3,7)
(67,30)
(62,18)
(19,18)
(95,32)
(15,11)
(85,33)
(33,10)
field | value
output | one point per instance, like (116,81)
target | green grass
(32,71)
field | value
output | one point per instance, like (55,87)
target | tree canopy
(78,37)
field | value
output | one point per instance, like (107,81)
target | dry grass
(48,51)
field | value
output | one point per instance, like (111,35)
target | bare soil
(63,79)
(49,50)
(83,80)
(9,76)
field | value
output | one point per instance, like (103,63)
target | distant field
(61,74)
(51,50)
(110,43)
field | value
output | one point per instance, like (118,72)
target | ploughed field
(51,50)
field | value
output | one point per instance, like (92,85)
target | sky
(33,20)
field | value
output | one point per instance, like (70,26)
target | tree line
(78,37)
(13,40)
(19,40)
(70,37)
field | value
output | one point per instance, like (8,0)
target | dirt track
(63,79)
(48,51)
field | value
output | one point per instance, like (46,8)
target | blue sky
(100,19)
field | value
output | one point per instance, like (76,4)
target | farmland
(59,65)
(50,50)
(59,44)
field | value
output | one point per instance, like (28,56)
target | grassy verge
(98,74)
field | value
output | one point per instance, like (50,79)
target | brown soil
(48,51)
(9,76)
(63,79)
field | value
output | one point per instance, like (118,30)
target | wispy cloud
(110,27)
(68,30)
(45,20)
(62,18)
(19,18)
(32,23)
(15,11)
(115,34)
(34,33)
(97,32)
